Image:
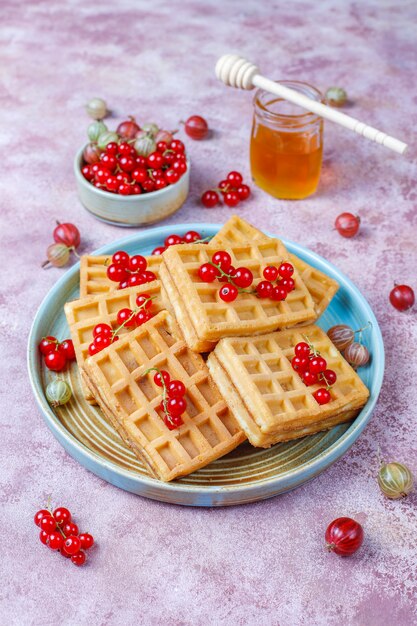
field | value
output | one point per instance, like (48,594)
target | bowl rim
(311,468)
(115,196)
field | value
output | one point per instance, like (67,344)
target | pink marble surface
(160,564)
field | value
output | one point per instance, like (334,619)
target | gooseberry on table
(347,224)
(395,480)
(402,297)
(97,108)
(196,127)
(344,536)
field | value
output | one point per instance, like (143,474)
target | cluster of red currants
(122,170)
(129,271)
(104,335)
(56,354)
(191,236)
(173,403)
(239,279)
(59,532)
(232,188)
(312,369)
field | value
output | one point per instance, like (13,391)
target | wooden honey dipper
(235,71)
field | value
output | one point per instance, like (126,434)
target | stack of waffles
(233,358)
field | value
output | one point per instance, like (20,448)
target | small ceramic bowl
(138,210)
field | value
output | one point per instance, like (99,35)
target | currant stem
(130,318)
(310,345)
(164,392)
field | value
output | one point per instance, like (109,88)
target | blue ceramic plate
(245,475)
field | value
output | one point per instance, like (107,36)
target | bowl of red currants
(134,176)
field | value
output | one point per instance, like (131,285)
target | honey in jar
(286,144)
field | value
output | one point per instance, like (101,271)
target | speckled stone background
(158,564)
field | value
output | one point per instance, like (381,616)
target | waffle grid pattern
(118,373)
(321,287)
(84,314)
(211,317)
(275,395)
(93,274)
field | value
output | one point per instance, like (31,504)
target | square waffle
(129,398)
(269,399)
(82,315)
(321,287)
(93,274)
(204,318)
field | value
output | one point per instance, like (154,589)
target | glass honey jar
(286,144)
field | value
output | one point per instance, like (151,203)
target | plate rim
(68,440)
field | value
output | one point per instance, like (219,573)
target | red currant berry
(112,148)
(243,277)
(172,422)
(235,179)
(125,149)
(124,189)
(162,146)
(39,516)
(288,284)
(102,329)
(112,183)
(124,177)
(139,174)
(286,270)
(173,240)
(138,263)
(155,160)
(318,364)
(243,191)
(43,537)
(64,553)
(55,361)
(160,183)
(62,515)
(87,173)
(224,186)
(176,406)
(121,258)
(55,541)
(300,363)
(302,349)
(125,317)
(93,349)
(309,378)
(87,540)
(322,396)
(208,273)
(210,199)
(347,224)
(222,259)
(159,250)
(116,272)
(329,377)
(191,236)
(48,344)
(344,536)
(228,293)
(72,544)
(171,176)
(180,167)
(48,524)
(135,280)
(176,389)
(177,146)
(148,185)
(144,300)
(70,529)
(67,349)
(100,342)
(278,293)
(78,558)
(402,297)
(108,161)
(142,317)
(270,273)
(196,127)
(161,375)
(231,199)
(264,289)
(169,157)
(102,175)
(147,276)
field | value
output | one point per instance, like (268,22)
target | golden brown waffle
(269,399)
(129,398)
(93,274)
(321,287)
(204,318)
(82,315)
